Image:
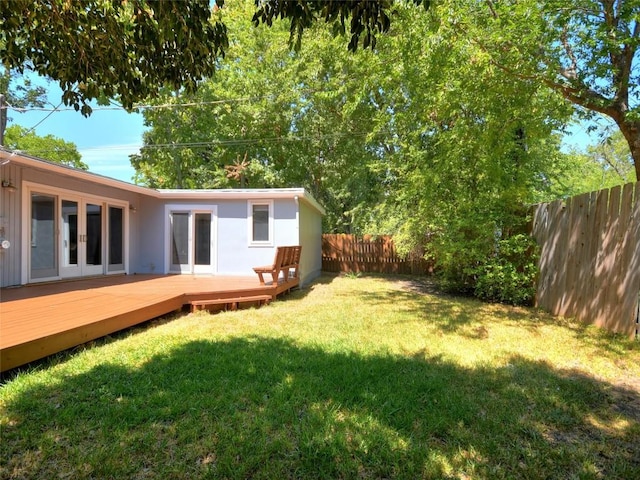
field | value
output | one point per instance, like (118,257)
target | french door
(73,236)
(191,245)
(82,241)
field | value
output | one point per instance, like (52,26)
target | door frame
(192,210)
(83,199)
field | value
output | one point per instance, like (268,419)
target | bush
(509,276)
(493,270)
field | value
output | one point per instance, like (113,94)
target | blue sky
(107,138)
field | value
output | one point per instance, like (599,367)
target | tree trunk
(631,132)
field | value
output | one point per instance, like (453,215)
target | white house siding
(311,241)
(297,220)
(11,210)
(234,255)
(10,225)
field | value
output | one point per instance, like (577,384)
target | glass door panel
(191,242)
(92,239)
(70,241)
(115,245)
(180,253)
(44,251)
(69,233)
(202,243)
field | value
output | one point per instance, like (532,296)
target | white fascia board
(243,194)
(231,193)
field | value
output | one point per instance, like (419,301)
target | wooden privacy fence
(590,257)
(367,254)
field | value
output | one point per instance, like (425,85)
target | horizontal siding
(10,214)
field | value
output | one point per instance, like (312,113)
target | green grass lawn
(352,378)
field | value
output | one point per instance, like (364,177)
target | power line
(224,143)
(142,106)
(56,109)
(116,107)
(241,142)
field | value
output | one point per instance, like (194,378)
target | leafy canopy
(48,147)
(585,50)
(130,49)
(271,117)
(123,49)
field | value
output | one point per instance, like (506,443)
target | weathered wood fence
(590,257)
(367,254)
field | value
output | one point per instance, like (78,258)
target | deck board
(39,320)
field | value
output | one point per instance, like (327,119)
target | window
(261,222)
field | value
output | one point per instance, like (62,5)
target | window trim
(250,205)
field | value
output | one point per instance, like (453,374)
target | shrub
(509,275)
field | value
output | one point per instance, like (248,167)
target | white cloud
(111,160)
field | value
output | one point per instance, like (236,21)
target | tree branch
(572,72)
(584,97)
(492,8)
(610,162)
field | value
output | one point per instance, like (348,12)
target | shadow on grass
(265,408)
(470,317)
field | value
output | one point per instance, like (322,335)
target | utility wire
(116,107)
(51,112)
(227,143)
(253,141)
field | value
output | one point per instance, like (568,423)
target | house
(58,222)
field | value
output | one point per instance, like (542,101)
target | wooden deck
(40,320)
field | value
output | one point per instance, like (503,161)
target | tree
(130,49)
(17,91)
(585,50)
(48,147)
(117,49)
(471,148)
(271,117)
(614,159)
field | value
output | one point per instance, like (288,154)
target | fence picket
(368,254)
(590,257)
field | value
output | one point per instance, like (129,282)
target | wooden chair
(287,261)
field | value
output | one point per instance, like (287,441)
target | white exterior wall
(311,241)
(233,252)
(13,211)
(295,223)
(296,219)
(10,226)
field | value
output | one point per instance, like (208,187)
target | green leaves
(585,50)
(367,18)
(48,147)
(509,275)
(117,49)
